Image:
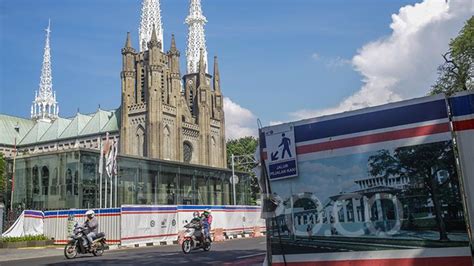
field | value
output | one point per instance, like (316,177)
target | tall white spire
(45,107)
(196,37)
(151,16)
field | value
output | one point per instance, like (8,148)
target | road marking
(249,256)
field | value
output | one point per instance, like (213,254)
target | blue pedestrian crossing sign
(281,152)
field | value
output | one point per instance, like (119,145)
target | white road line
(253,255)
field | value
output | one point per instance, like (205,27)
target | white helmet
(90,213)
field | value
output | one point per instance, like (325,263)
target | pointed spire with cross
(151,16)
(45,107)
(196,37)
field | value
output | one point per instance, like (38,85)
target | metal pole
(116,189)
(13,177)
(105,196)
(101,168)
(111,191)
(233,179)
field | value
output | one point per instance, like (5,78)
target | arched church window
(35,179)
(45,180)
(69,182)
(191,100)
(187,152)
(214,152)
(167,143)
(140,136)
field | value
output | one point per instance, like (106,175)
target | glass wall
(64,180)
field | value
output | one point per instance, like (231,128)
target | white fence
(29,223)
(138,224)
(58,224)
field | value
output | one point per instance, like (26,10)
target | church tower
(45,107)
(161,118)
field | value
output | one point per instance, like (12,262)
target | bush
(23,238)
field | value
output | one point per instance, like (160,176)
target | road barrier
(138,225)
(59,224)
(29,223)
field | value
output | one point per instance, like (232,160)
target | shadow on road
(198,257)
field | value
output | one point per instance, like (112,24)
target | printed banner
(147,224)
(462,111)
(381,178)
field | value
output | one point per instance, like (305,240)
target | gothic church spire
(150,18)
(196,37)
(45,107)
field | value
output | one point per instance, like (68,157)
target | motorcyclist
(206,220)
(197,221)
(91,226)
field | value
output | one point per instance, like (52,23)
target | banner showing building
(380,178)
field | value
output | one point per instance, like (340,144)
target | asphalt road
(234,252)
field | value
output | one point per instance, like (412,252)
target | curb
(240,235)
(151,244)
(175,242)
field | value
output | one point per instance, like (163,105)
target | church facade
(163,114)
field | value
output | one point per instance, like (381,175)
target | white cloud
(315,56)
(404,64)
(331,62)
(240,122)
(337,62)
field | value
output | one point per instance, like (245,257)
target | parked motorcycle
(194,238)
(75,246)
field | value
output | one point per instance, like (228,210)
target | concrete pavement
(234,252)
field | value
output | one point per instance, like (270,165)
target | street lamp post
(233,179)
(17,128)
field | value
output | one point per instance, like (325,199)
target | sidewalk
(9,254)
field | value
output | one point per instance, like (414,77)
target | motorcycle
(194,238)
(75,246)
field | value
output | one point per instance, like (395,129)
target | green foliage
(24,238)
(457,72)
(420,164)
(244,147)
(3,179)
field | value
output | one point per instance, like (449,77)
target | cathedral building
(163,114)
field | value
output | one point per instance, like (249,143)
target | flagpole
(116,170)
(111,191)
(101,164)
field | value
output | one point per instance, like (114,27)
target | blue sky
(279,60)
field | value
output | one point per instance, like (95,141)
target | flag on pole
(108,152)
(114,170)
(101,157)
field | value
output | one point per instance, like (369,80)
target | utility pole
(13,176)
(17,130)
(233,179)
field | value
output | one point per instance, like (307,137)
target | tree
(421,164)
(245,146)
(3,179)
(457,72)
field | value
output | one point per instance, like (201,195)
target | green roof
(7,128)
(35,133)
(113,123)
(55,130)
(75,127)
(31,132)
(97,123)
